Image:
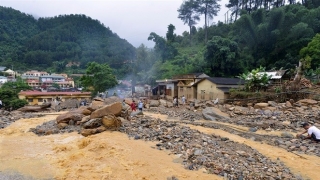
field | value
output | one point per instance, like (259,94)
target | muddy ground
(133,154)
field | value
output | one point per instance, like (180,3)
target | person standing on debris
(313,132)
(175,102)
(0,104)
(133,106)
(140,105)
(183,99)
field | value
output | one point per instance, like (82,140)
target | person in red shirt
(133,106)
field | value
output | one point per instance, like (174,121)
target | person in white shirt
(0,104)
(313,132)
(183,99)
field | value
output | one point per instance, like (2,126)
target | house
(38,97)
(210,88)
(276,77)
(186,82)
(167,88)
(10,72)
(33,82)
(35,73)
(3,79)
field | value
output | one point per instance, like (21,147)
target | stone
(97,104)
(69,103)
(253,129)
(212,113)
(62,125)
(261,105)
(163,102)
(308,102)
(288,104)
(92,123)
(87,132)
(112,99)
(71,115)
(272,103)
(114,108)
(110,121)
(154,103)
(287,135)
(85,119)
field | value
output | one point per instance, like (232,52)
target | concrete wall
(39,100)
(206,90)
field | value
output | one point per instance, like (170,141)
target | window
(181,89)
(40,100)
(30,100)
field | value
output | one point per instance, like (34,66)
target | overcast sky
(132,20)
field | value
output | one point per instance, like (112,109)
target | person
(183,99)
(133,106)
(124,103)
(140,105)
(175,102)
(313,132)
(0,104)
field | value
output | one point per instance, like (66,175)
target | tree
(312,51)
(188,14)
(221,57)
(98,78)
(9,94)
(209,8)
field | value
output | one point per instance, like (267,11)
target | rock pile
(87,120)
(7,117)
(196,150)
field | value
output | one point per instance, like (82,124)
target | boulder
(272,103)
(112,99)
(128,100)
(163,102)
(92,123)
(110,121)
(84,110)
(114,108)
(212,113)
(169,104)
(85,119)
(71,115)
(261,105)
(241,110)
(154,103)
(308,102)
(62,125)
(87,132)
(97,104)
(69,103)
(288,104)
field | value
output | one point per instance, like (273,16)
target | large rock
(111,122)
(212,113)
(87,132)
(308,102)
(69,103)
(154,103)
(97,104)
(92,123)
(261,105)
(84,110)
(163,102)
(114,108)
(112,99)
(71,115)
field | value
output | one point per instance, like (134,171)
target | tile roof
(224,81)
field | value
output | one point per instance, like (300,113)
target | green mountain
(44,43)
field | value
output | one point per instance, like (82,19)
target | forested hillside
(51,43)
(269,35)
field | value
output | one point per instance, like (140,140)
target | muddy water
(109,155)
